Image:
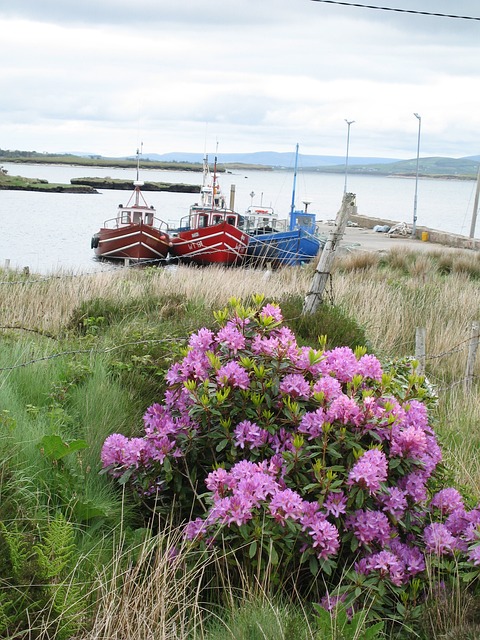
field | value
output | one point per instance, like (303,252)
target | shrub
(332,321)
(321,466)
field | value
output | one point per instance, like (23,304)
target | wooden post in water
(314,297)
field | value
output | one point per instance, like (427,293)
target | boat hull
(287,248)
(136,242)
(217,244)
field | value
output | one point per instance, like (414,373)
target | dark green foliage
(41,579)
(341,330)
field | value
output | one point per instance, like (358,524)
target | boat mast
(292,208)
(137,182)
(215,178)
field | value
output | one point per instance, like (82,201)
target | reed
(82,355)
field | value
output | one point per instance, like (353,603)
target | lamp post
(349,122)
(414,226)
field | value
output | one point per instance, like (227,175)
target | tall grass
(83,355)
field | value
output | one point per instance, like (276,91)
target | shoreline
(362,237)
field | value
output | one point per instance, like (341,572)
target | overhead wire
(397,10)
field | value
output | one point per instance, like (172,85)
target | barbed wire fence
(470,345)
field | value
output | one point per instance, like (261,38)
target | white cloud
(263,75)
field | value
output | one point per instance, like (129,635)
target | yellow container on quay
(424,236)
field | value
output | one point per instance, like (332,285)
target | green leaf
(359,498)
(221,445)
(252,550)
(55,448)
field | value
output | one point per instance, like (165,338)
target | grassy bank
(84,355)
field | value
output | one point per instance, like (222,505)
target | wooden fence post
(314,297)
(472,354)
(420,352)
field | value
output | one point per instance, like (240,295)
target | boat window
(202,220)
(137,217)
(232,220)
(149,218)
(217,219)
(125,218)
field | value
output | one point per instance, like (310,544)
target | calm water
(51,231)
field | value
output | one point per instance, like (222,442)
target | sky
(240,76)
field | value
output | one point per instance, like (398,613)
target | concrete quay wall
(422,233)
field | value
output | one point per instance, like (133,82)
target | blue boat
(281,242)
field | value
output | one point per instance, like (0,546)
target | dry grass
(46,305)
(152,595)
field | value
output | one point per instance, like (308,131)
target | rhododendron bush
(322,463)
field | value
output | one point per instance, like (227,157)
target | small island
(87,185)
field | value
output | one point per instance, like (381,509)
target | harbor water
(51,232)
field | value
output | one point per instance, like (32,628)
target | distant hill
(438,167)
(434,167)
(267,158)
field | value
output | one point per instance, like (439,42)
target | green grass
(126,329)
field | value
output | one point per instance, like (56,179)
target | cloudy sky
(251,75)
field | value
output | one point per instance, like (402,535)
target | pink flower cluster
(312,440)
(238,496)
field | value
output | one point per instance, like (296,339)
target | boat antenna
(215,176)
(139,152)
(292,208)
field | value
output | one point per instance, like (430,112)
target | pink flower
(234,375)
(114,449)
(408,443)
(370,367)
(295,385)
(438,539)
(231,337)
(325,536)
(249,434)
(345,410)
(386,563)
(335,504)
(272,311)
(414,486)
(447,500)
(474,556)
(311,423)
(394,502)
(202,340)
(369,526)
(369,471)
(286,504)
(330,387)
(341,363)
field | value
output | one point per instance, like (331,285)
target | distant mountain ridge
(266,158)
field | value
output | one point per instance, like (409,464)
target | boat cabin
(258,220)
(137,212)
(303,220)
(135,215)
(201,217)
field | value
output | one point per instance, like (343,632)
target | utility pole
(475,206)
(315,296)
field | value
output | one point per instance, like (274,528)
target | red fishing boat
(210,234)
(135,233)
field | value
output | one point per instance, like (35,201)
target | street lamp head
(417,116)
(349,122)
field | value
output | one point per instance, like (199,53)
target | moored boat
(211,232)
(135,233)
(288,242)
